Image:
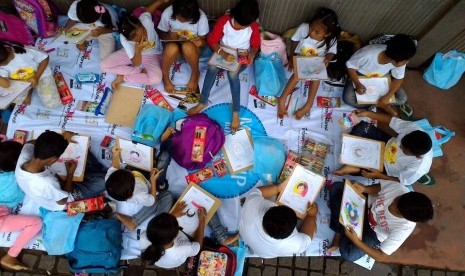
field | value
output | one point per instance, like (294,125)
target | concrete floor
(440,243)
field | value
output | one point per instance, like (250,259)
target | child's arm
(393,88)
(199,234)
(371,189)
(378,175)
(115,159)
(359,87)
(269,190)
(4,82)
(137,59)
(154,174)
(199,41)
(67,185)
(290,58)
(380,117)
(376,254)
(100,31)
(40,70)
(328,58)
(70,23)
(308,226)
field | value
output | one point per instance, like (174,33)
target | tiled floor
(431,250)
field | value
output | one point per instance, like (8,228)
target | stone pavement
(43,264)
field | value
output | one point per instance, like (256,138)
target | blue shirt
(10,193)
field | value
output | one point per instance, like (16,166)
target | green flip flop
(426,179)
(406,111)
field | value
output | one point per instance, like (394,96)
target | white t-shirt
(140,197)
(236,39)
(253,234)
(310,47)
(390,230)
(406,167)
(42,188)
(24,66)
(365,61)
(167,24)
(153,45)
(72,14)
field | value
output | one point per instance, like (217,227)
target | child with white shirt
(139,60)
(378,60)
(186,21)
(237,30)
(104,17)
(136,197)
(317,38)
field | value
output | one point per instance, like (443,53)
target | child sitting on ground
(407,157)
(317,38)
(10,196)
(134,194)
(139,60)
(102,15)
(183,21)
(377,60)
(238,30)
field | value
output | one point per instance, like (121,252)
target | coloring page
(8,95)
(75,34)
(136,155)
(310,68)
(352,209)
(238,151)
(375,89)
(360,152)
(220,62)
(75,151)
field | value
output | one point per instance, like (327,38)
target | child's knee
(155,79)
(189,48)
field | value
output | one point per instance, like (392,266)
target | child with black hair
(104,17)
(10,196)
(45,188)
(186,21)
(237,30)
(136,197)
(317,38)
(390,218)
(407,157)
(270,229)
(139,60)
(24,63)
(378,60)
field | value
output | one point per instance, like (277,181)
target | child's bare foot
(346,169)
(193,85)
(116,82)
(169,87)
(127,221)
(196,109)
(300,113)
(230,240)
(282,111)
(11,263)
(235,122)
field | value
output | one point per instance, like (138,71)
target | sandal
(426,179)
(406,111)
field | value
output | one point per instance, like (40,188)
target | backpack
(224,258)
(13,29)
(40,15)
(150,124)
(97,248)
(182,142)
(438,134)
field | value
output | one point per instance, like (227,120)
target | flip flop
(406,111)
(426,179)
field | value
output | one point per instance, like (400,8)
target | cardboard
(359,152)
(136,155)
(8,95)
(352,212)
(238,151)
(124,106)
(77,151)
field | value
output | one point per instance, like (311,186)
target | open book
(302,187)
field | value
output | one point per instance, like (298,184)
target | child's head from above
(186,11)
(50,146)
(120,185)
(130,26)
(279,222)
(7,52)
(416,143)
(324,25)
(415,207)
(245,13)
(89,11)
(400,49)
(9,154)
(161,231)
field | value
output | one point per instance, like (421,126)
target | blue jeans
(163,203)
(349,97)
(219,231)
(367,130)
(234,85)
(94,180)
(349,251)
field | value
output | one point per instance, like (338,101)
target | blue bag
(446,69)
(59,231)
(97,248)
(439,135)
(269,158)
(269,75)
(150,124)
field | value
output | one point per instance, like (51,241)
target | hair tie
(100,9)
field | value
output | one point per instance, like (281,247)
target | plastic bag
(446,69)
(438,134)
(269,75)
(269,157)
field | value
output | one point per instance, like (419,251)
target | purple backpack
(182,141)
(40,15)
(13,29)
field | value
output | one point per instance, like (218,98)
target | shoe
(426,179)
(406,111)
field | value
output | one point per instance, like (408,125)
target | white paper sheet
(375,89)
(360,152)
(238,149)
(75,151)
(352,210)
(136,155)
(310,68)
(8,95)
